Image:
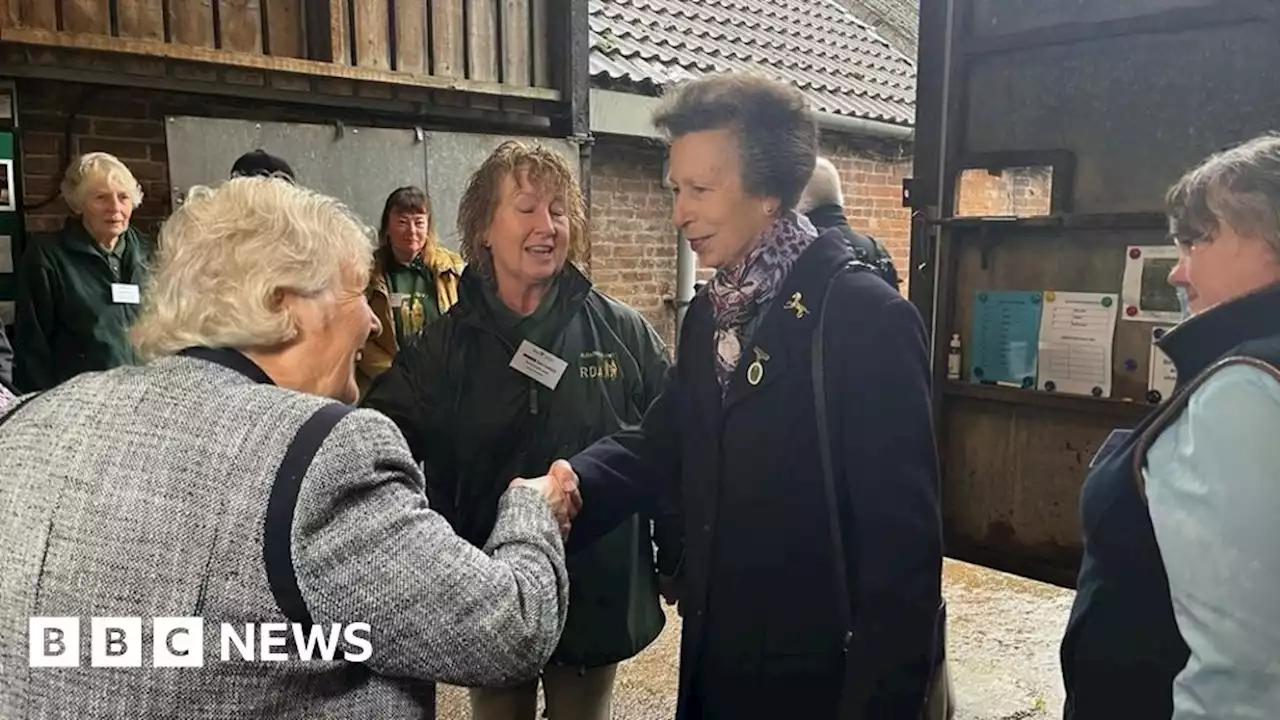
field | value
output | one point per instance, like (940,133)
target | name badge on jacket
(397,299)
(125,294)
(538,364)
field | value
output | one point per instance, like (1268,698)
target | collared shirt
(1214,497)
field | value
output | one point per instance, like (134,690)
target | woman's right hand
(559,487)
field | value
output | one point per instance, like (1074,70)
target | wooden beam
(414,106)
(310,68)
(240,23)
(373,34)
(141,19)
(516,63)
(411,36)
(482,40)
(577,73)
(448,57)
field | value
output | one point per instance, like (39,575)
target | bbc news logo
(180,642)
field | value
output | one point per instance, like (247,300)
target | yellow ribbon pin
(795,305)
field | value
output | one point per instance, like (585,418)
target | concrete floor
(1003,635)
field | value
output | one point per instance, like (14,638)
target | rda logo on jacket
(180,642)
(596,365)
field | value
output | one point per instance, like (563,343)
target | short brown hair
(546,169)
(777,135)
(408,199)
(1240,185)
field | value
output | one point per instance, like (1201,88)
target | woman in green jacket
(532,364)
(79,290)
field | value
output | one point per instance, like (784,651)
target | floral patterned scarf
(739,291)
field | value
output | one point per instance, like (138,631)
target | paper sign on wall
(8,190)
(1005,329)
(6,254)
(1076,331)
(1146,294)
(1161,373)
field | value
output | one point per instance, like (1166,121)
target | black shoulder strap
(824,448)
(278,532)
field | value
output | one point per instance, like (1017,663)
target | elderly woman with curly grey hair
(803,458)
(79,289)
(229,479)
(1177,610)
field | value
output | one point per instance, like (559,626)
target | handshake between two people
(559,487)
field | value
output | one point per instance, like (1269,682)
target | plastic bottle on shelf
(953,358)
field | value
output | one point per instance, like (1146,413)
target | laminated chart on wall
(1146,294)
(1161,373)
(1076,336)
(1004,345)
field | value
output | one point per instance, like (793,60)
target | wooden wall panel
(141,19)
(516,63)
(191,22)
(339,31)
(241,25)
(411,36)
(541,44)
(92,17)
(447,47)
(373,34)
(285,32)
(38,14)
(482,40)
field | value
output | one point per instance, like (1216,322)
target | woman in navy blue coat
(780,620)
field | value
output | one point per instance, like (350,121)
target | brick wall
(1022,192)
(118,121)
(634,244)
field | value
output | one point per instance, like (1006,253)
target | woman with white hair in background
(79,289)
(222,481)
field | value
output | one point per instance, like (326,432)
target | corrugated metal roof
(838,61)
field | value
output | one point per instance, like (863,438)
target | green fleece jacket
(69,318)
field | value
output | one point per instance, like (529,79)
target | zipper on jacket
(533,398)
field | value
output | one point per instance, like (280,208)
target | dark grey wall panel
(999,17)
(1137,110)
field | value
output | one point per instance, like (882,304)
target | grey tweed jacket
(142,492)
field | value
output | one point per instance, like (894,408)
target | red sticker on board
(1134,253)
(1131,310)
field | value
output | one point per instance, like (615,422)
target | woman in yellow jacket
(414,279)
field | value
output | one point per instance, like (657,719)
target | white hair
(229,252)
(823,187)
(97,166)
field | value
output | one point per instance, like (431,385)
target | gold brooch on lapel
(755,371)
(797,306)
